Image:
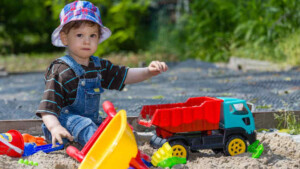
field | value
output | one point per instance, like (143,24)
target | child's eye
(93,36)
(79,35)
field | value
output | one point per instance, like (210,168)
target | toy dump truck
(221,124)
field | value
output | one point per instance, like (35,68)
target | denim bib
(88,92)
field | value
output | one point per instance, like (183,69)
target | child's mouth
(85,49)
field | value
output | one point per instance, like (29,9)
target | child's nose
(86,40)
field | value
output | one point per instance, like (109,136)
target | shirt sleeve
(113,76)
(54,93)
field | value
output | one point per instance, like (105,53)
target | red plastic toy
(11,143)
(182,117)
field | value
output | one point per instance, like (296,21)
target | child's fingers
(159,66)
(155,65)
(53,141)
(59,139)
(164,66)
(70,138)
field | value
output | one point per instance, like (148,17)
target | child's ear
(63,38)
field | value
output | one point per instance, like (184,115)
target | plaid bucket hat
(79,10)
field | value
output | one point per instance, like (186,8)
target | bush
(214,30)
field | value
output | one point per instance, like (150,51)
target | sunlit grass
(39,62)
(27,62)
(285,52)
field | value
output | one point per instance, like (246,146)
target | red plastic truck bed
(196,114)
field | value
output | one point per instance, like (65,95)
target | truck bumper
(156,141)
(251,137)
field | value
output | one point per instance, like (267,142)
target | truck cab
(236,114)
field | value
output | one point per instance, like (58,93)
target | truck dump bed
(196,114)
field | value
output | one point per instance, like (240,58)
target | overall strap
(96,61)
(79,71)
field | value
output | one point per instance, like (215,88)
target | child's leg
(81,128)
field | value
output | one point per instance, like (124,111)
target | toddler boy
(70,104)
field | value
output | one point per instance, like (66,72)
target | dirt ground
(281,151)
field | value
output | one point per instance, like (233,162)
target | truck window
(231,109)
(239,109)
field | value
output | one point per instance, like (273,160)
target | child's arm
(57,130)
(136,75)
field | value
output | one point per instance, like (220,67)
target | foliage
(289,47)
(126,19)
(288,120)
(211,30)
(24,25)
(27,25)
(214,30)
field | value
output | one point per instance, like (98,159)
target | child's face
(82,42)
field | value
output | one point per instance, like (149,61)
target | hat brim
(56,41)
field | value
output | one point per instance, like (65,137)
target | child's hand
(157,67)
(58,132)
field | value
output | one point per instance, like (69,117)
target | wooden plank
(262,120)
(24,126)
(267,120)
(33,127)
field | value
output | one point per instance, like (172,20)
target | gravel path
(20,94)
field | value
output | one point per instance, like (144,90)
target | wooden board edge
(33,126)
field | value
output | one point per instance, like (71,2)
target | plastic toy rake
(32,148)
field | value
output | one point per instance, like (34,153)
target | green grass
(284,52)
(264,107)
(39,62)
(28,62)
(288,122)
(290,47)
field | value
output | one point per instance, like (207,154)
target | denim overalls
(81,118)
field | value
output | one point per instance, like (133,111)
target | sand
(281,151)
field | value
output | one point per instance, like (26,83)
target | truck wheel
(179,149)
(235,145)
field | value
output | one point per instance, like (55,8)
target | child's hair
(76,24)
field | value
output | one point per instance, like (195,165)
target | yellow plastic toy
(161,154)
(114,148)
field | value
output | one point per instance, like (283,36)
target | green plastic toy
(21,161)
(26,162)
(30,163)
(170,162)
(256,149)
(253,146)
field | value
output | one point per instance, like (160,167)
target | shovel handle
(109,109)
(75,153)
